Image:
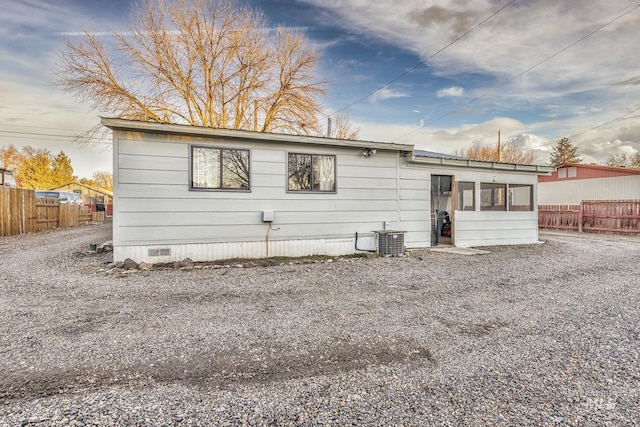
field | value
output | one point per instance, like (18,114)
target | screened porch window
(219,168)
(311,172)
(466,200)
(493,197)
(520,197)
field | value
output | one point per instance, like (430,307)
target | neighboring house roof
(573,171)
(95,189)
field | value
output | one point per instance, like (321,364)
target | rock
(186,263)
(129,264)
(145,266)
(105,247)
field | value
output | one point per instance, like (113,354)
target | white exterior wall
(414,201)
(154,207)
(572,192)
(486,228)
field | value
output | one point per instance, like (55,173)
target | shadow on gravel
(215,370)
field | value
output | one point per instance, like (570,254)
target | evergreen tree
(61,170)
(564,152)
(38,168)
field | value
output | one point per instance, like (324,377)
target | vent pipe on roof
(329,119)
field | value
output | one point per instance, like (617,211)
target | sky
(442,75)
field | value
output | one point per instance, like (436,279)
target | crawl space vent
(160,252)
(390,243)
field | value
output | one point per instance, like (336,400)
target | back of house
(204,193)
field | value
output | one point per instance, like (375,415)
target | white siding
(415,204)
(155,208)
(486,228)
(495,228)
(574,191)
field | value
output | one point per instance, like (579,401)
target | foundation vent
(160,252)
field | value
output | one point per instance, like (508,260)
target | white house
(204,193)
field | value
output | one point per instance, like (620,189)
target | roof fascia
(187,130)
(477,164)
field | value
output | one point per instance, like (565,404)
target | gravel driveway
(528,335)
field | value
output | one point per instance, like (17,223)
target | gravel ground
(528,335)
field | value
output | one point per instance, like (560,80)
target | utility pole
(255,115)
(499,147)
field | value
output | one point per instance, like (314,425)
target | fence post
(580,212)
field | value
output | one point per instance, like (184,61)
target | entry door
(441,209)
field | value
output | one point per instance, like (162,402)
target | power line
(570,45)
(617,119)
(53,137)
(425,60)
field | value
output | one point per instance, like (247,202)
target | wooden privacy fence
(21,212)
(610,216)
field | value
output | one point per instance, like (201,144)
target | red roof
(572,171)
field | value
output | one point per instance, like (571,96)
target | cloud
(535,53)
(387,93)
(455,91)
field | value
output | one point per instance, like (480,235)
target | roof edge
(200,131)
(620,169)
(479,164)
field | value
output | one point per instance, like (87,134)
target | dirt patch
(217,370)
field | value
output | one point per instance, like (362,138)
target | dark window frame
(221,168)
(314,187)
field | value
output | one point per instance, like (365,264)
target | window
(493,197)
(312,172)
(562,173)
(466,196)
(572,172)
(219,168)
(520,197)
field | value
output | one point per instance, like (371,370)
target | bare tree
(103,179)
(345,129)
(625,160)
(200,62)
(511,153)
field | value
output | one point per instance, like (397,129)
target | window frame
(510,198)
(312,190)
(494,186)
(459,195)
(562,173)
(221,150)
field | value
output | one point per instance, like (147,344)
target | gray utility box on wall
(390,242)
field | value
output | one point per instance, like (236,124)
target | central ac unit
(390,243)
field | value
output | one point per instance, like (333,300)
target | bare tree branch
(199,62)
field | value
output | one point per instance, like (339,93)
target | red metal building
(572,183)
